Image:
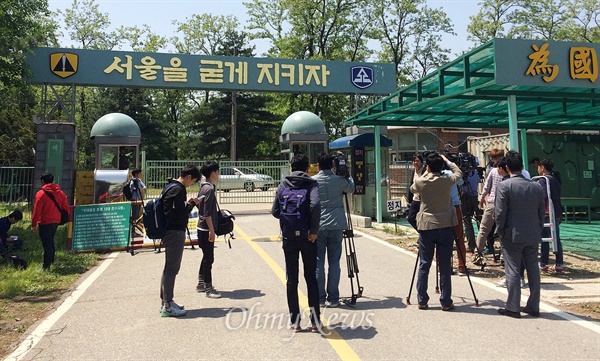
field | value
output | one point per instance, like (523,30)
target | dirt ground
(17,315)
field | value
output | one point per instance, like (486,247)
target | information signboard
(101,226)
(358,169)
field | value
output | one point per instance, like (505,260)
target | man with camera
(435,222)
(332,188)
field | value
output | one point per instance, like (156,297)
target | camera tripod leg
(463,257)
(412,282)
(437,272)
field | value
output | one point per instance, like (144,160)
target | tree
(23,25)
(312,30)
(563,20)
(491,20)
(540,19)
(88,27)
(411,37)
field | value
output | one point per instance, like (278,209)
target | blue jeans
(292,249)
(329,242)
(545,248)
(442,239)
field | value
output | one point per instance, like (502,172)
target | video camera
(465,161)
(340,164)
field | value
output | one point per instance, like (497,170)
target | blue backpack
(294,217)
(154,216)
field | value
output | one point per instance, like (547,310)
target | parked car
(243,178)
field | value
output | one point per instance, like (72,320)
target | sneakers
(462,271)
(332,304)
(172,311)
(558,268)
(423,307)
(212,293)
(201,287)
(296,328)
(544,268)
(502,283)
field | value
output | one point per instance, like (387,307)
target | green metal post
(377,134)
(523,133)
(513,128)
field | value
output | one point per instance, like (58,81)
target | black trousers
(292,250)
(208,256)
(47,232)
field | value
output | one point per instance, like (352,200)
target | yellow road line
(340,345)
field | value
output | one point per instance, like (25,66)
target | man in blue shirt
(333,222)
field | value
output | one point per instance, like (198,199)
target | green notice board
(101,226)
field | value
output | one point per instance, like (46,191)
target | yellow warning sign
(64,64)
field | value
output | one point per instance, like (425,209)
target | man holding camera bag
(435,221)
(332,188)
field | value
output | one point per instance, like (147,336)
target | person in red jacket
(47,215)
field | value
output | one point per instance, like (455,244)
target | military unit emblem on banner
(362,76)
(64,64)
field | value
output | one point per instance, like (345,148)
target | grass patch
(31,282)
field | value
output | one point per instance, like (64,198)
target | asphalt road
(114,312)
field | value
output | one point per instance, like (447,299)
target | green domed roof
(303,122)
(115,125)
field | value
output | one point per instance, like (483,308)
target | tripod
(351,261)
(461,255)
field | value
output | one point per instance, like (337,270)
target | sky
(159,14)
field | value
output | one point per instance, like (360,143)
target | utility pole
(233,155)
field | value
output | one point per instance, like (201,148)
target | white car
(243,178)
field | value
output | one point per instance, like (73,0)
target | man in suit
(435,221)
(519,211)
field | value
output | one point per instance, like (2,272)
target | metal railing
(16,185)
(156,173)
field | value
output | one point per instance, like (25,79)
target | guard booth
(117,137)
(359,150)
(303,133)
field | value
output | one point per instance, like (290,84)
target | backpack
(127,188)
(127,194)
(154,216)
(294,217)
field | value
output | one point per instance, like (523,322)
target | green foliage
(31,282)
(87,26)
(563,20)
(23,25)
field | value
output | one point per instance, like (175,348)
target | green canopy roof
(552,85)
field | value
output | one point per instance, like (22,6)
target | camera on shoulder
(340,164)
